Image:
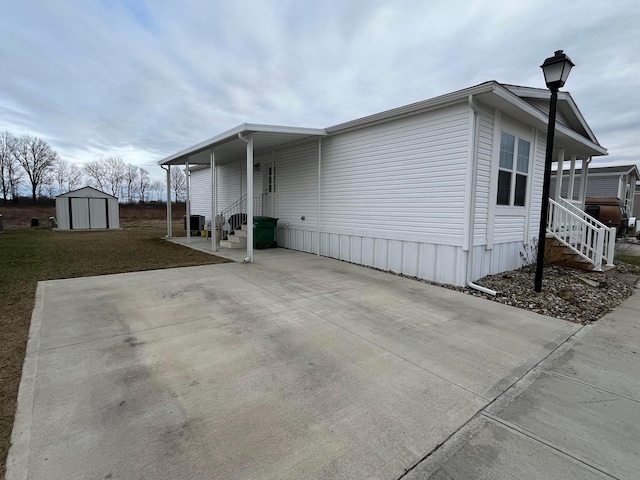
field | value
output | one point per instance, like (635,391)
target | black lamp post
(556,70)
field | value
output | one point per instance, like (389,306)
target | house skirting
(429,261)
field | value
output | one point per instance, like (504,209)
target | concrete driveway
(295,366)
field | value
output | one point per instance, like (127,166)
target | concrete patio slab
(295,366)
(589,423)
(576,415)
(500,453)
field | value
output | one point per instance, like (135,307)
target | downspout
(472,206)
(169,226)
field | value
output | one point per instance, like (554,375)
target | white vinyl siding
(537,180)
(200,192)
(297,184)
(483,177)
(406,178)
(229,183)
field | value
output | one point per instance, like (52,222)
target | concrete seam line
(596,387)
(501,401)
(607,347)
(17,461)
(444,450)
(546,443)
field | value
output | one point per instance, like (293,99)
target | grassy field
(28,255)
(628,259)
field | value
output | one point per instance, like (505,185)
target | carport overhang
(232,145)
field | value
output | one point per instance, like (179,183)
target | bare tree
(115,174)
(36,158)
(95,171)
(178,183)
(9,168)
(144,183)
(106,174)
(67,176)
(61,173)
(131,177)
(48,186)
(157,187)
(74,178)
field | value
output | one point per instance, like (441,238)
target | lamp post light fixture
(556,70)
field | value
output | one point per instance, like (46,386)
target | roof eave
(413,108)
(232,134)
(543,119)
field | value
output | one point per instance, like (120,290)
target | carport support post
(249,198)
(188,202)
(214,206)
(169,226)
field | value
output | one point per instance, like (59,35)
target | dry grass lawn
(28,255)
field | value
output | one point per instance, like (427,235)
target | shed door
(269,178)
(79,213)
(98,212)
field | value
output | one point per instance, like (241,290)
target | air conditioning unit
(196,224)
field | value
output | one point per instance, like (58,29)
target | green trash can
(264,232)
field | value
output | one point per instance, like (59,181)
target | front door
(269,198)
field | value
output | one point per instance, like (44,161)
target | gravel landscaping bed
(569,294)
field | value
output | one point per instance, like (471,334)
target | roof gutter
(472,213)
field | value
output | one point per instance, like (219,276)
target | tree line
(29,162)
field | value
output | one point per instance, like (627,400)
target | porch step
(242,240)
(240,233)
(230,244)
(559,254)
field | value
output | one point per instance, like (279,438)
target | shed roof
(87,191)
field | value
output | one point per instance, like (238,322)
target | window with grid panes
(513,170)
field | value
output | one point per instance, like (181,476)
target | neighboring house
(87,209)
(602,182)
(447,189)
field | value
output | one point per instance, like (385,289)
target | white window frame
(514,170)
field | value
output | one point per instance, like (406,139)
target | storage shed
(87,209)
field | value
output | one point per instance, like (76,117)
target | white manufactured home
(448,189)
(87,209)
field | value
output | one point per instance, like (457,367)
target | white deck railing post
(611,246)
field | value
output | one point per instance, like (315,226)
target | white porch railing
(586,236)
(235,214)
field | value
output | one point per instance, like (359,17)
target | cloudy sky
(146,78)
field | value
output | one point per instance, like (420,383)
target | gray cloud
(144,79)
